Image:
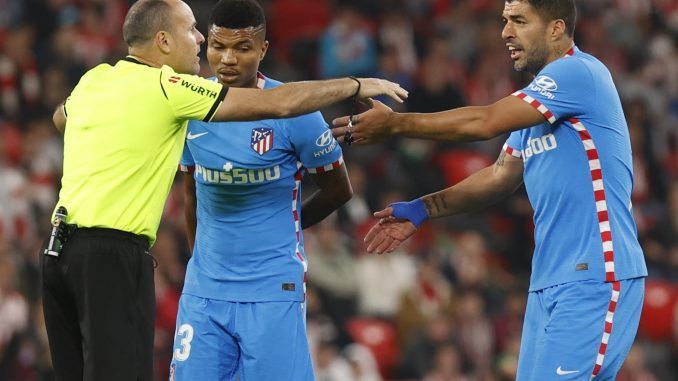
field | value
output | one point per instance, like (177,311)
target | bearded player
(569,143)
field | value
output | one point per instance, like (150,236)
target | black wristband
(355,95)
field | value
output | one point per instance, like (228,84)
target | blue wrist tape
(414,210)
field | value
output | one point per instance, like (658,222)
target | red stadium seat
(659,308)
(460,164)
(380,337)
(297,19)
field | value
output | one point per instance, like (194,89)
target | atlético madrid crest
(262,140)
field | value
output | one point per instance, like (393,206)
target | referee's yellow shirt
(124,137)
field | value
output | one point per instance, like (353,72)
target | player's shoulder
(568,74)
(577,66)
(269,83)
(304,124)
(570,67)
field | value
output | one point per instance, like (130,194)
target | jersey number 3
(185,331)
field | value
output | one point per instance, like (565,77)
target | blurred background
(447,306)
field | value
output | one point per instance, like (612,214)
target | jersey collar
(571,52)
(261,80)
(133,59)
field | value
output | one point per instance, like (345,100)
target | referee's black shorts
(99,306)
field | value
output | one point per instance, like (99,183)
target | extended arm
(481,189)
(478,191)
(460,124)
(335,190)
(299,98)
(59,118)
(190,206)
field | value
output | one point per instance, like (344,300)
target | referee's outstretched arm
(297,98)
(288,100)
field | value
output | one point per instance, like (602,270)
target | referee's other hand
(372,87)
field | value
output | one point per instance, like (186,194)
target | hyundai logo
(325,139)
(546,83)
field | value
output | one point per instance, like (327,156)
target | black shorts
(99,306)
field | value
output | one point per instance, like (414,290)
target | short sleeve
(563,89)
(190,96)
(314,144)
(513,145)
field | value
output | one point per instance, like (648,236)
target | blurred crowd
(448,306)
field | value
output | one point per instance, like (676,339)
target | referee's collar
(133,59)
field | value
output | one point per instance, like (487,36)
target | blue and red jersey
(578,174)
(249,246)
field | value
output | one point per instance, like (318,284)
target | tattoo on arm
(436,201)
(429,206)
(440,201)
(500,160)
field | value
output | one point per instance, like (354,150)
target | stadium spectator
(348,46)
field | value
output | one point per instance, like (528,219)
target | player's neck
(556,51)
(560,49)
(252,84)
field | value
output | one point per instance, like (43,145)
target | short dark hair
(550,10)
(237,14)
(144,19)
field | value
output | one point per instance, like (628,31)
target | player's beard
(535,58)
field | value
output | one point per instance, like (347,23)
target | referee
(124,129)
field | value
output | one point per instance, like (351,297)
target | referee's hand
(372,87)
(372,126)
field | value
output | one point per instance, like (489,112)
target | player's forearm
(335,190)
(461,124)
(474,193)
(320,205)
(190,206)
(191,224)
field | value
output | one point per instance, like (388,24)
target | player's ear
(557,28)
(163,40)
(264,49)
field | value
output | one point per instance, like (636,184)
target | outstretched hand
(389,233)
(372,87)
(369,127)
